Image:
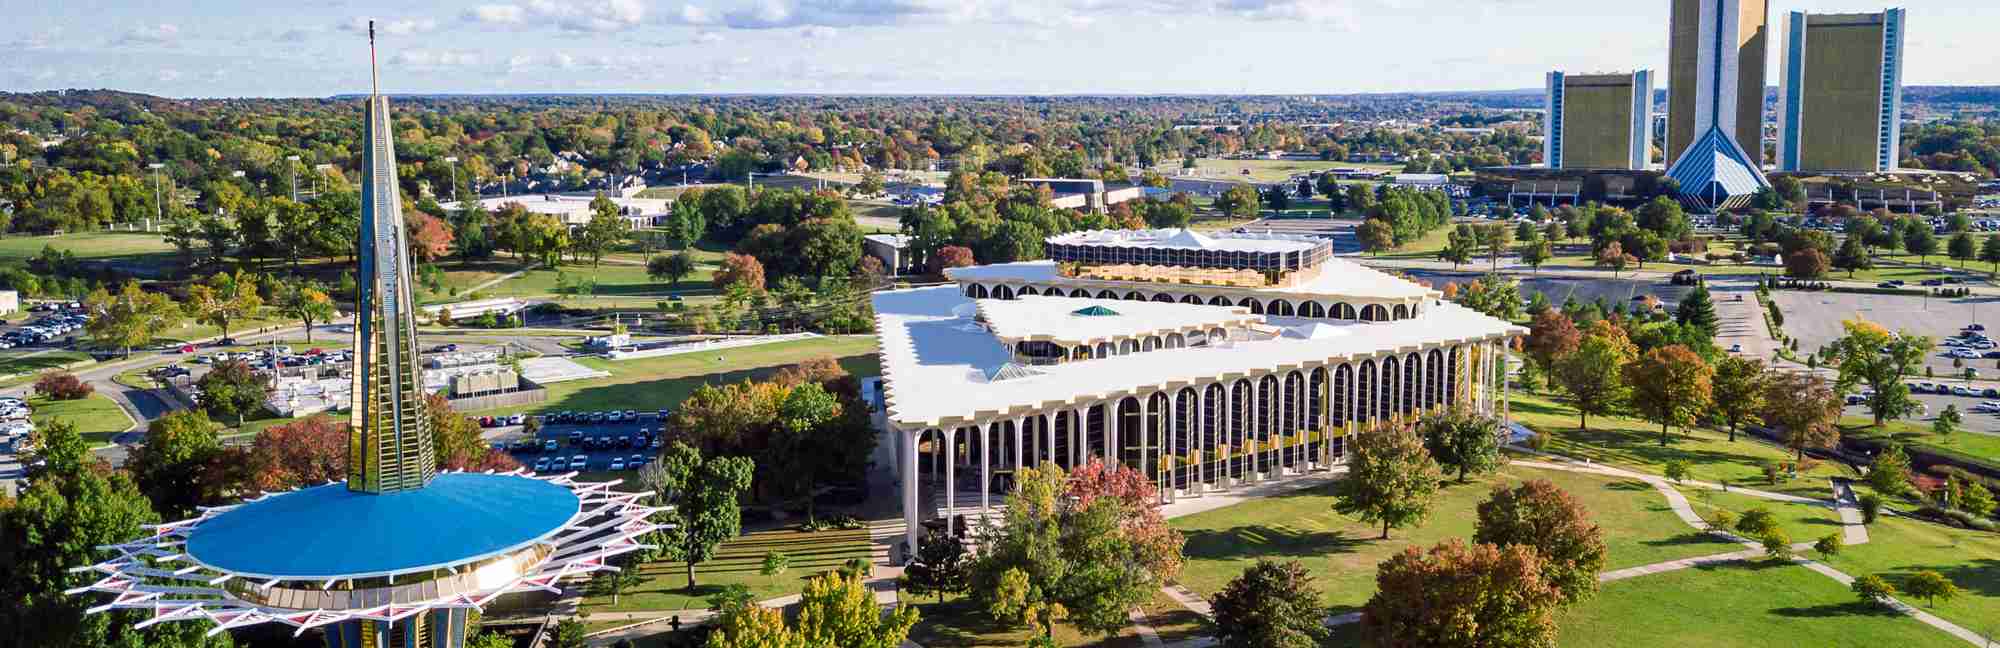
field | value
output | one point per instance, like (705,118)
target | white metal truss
(608,523)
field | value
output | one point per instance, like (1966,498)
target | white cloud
(161,34)
(1318,12)
(426,58)
(168,75)
(695,15)
(818,32)
(403,27)
(497,14)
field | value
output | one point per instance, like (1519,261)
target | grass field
(1634,444)
(89,245)
(1800,522)
(97,418)
(36,361)
(739,562)
(1638,526)
(961,623)
(1983,446)
(653,383)
(1899,547)
(1739,604)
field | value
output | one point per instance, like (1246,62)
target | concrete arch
(1392,383)
(1256,307)
(1106,294)
(1134,296)
(1343,311)
(1128,347)
(1150,343)
(1194,300)
(1003,292)
(1281,308)
(1176,341)
(1312,309)
(1079,293)
(1163,298)
(1374,313)
(1402,311)
(1219,300)
(976,291)
(1026,291)
(1105,350)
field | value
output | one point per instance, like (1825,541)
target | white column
(1506,402)
(1048,434)
(1111,416)
(1422,395)
(985,466)
(1200,435)
(1353,397)
(950,476)
(1020,451)
(1146,427)
(907,455)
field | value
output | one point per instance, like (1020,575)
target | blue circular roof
(330,532)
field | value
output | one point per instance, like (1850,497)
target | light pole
(159,208)
(294,168)
(453,161)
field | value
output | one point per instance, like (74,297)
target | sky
(317,48)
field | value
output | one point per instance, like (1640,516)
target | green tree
(1591,374)
(1873,589)
(1738,392)
(1670,385)
(670,267)
(1059,558)
(308,304)
(838,609)
(1376,235)
(1803,408)
(1918,239)
(1270,605)
(1852,257)
(130,318)
(1538,515)
(1462,596)
(1829,545)
(1947,422)
(703,494)
(1976,499)
(1536,251)
(1871,507)
(1777,544)
(941,566)
(1962,248)
(233,390)
(1989,252)
(1239,201)
(803,417)
(1870,356)
(1459,246)
(1697,310)
(1931,586)
(1495,238)
(1676,469)
(1462,440)
(170,466)
(1391,480)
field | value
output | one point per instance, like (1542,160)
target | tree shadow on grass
(1831,610)
(1269,541)
(1686,539)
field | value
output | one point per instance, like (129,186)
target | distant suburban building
(1715,115)
(1841,82)
(1085,193)
(574,209)
(891,249)
(10,302)
(1598,121)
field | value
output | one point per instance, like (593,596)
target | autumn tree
(1613,256)
(309,451)
(224,298)
(1390,479)
(1670,385)
(1591,374)
(1807,263)
(1054,558)
(1869,356)
(702,493)
(1552,335)
(1738,392)
(1873,589)
(1156,546)
(838,609)
(1376,235)
(1929,585)
(1270,605)
(308,304)
(1462,596)
(740,269)
(1803,408)
(951,256)
(430,237)
(1542,517)
(1462,440)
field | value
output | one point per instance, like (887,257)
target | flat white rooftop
(1337,278)
(1186,239)
(937,364)
(1073,321)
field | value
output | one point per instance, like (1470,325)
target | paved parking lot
(1814,319)
(1975,422)
(598,458)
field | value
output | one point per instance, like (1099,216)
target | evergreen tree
(1697,310)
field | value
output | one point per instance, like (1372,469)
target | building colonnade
(1365,310)
(1199,436)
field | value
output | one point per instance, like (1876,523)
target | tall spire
(390,446)
(374,74)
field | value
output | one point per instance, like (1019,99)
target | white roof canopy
(1057,319)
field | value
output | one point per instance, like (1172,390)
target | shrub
(1677,470)
(1830,545)
(1757,522)
(1873,589)
(1721,519)
(62,385)
(1777,545)
(776,562)
(1871,507)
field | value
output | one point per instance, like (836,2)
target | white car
(17,428)
(617,464)
(1961,391)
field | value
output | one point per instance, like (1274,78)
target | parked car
(559,464)
(542,464)
(617,463)
(549,445)
(1961,391)
(579,462)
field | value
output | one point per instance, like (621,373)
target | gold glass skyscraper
(1717,46)
(1841,95)
(1598,121)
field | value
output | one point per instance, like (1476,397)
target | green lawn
(1739,604)
(88,245)
(1426,248)
(1638,526)
(1634,444)
(1800,522)
(96,417)
(653,383)
(35,362)
(739,562)
(1983,446)
(618,286)
(1899,547)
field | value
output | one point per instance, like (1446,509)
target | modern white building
(1206,361)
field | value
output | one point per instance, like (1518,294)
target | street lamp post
(159,207)
(453,161)
(294,168)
